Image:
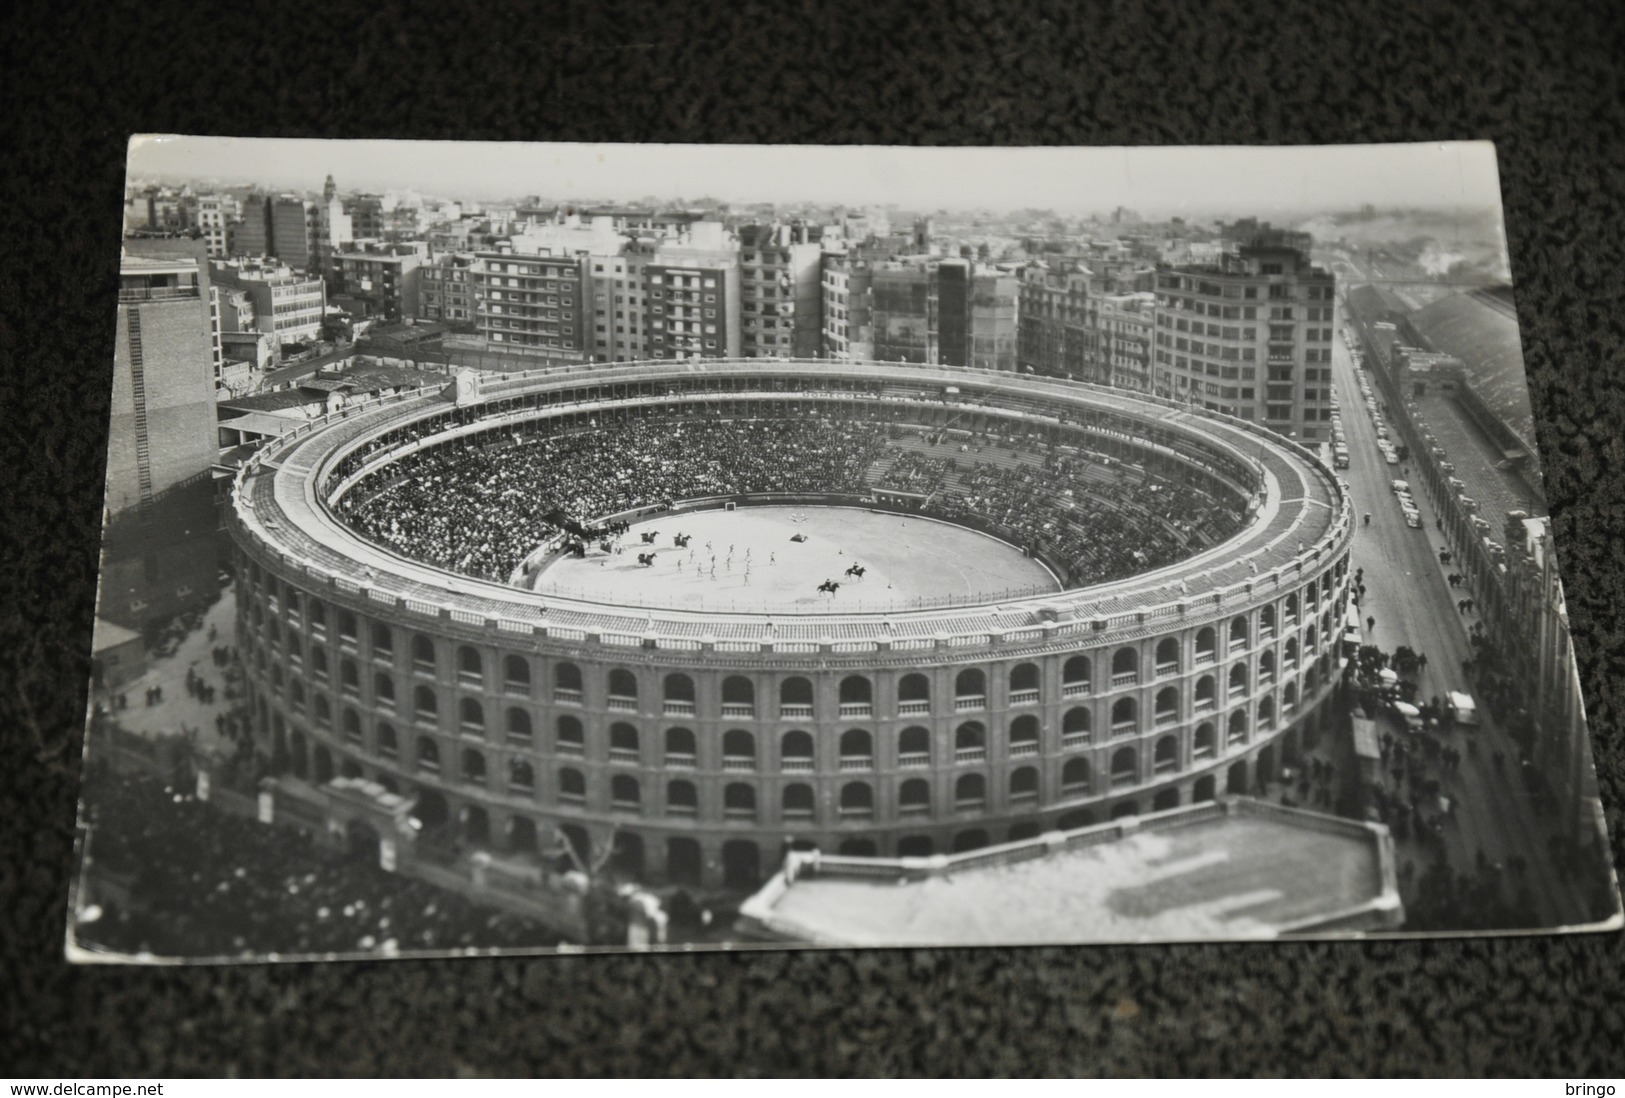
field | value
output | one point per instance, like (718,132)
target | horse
(649,536)
(829,585)
(646,559)
(856,570)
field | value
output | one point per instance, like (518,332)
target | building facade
(780,291)
(1250,336)
(532,302)
(287,304)
(382,279)
(847,308)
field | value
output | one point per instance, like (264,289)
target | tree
(603,911)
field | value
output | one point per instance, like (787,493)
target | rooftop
(1219,870)
(1480,329)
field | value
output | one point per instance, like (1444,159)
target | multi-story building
(780,291)
(1127,327)
(296,232)
(532,302)
(620,300)
(162,425)
(1250,335)
(993,325)
(207,214)
(848,325)
(446,292)
(380,279)
(250,234)
(692,289)
(1059,323)
(903,312)
(287,304)
(366,213)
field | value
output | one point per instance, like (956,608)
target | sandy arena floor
(910,563)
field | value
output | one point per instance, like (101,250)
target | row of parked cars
(1407,504)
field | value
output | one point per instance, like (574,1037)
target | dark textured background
(1540,79)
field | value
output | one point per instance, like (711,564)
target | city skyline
(1280,181)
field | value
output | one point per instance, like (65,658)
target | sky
(1154,181)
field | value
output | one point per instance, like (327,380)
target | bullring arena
(1075,605)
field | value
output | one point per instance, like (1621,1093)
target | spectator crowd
(480,508)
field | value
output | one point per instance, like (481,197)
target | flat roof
(1220,870)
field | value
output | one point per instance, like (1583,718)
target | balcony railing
(674,708)
(857,709)
(623,755)
(680,760)
(742,710)
(682,809)
(1074,689)
(795,711)
(914,759)
(1167,668)
(738,763)
(857,762)
(798,813)
(912,708)
(1121,778)
(967,702)
(1167,718)
(1125,678)
(1023,749)
(1024,697)
(796,765)
(970,804)
(857,812)
(159,293)
(567,697)
(914,808)
(970,755)
(622,703)
(1125,728)
(1073,740)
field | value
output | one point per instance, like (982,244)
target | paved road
(1413,604)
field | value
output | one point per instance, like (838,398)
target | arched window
(1289,653)
(1206,693)
(473,767)
(1311,680)
(795,698)
(970,742)
(388,745)
(1023,785)
(1075,727)
(425,707)
(352,726)
(1075,677)
(1266,713)
(1266,621)
(738,750)
(624,793)
(1290,613)
(471,717)
(1125,716)
(1165,757)
(383,642)
(1238,679)
(516,674)
(1125,666)
(1205,745)
(914,797)
(1167,656)
(1024,736)
(796,751)
(970,792)
(681,748)
(857,799)
(970,689)
(349,679)
(470,668)
(323,711)
(1075,776)
(1236,732)
(521,776)
(1266,666)
(739,801)
(572,738)
(738,697)
(1238,633)
(572,786)
(428,755)
(422,654)
(348,628)
(1167,705)
(623,690)
(318,615)
(913,695)
(1024,683)
(623,742)
(1204,644)
(1289,698)
(857,697)
(1125,766)
(679,694)
(857,750)
(567,683)
(1311,639)
(682,799)
(914,747)
(517,723)
(797,802)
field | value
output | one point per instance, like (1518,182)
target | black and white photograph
(530,548)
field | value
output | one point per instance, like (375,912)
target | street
(1413,604)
